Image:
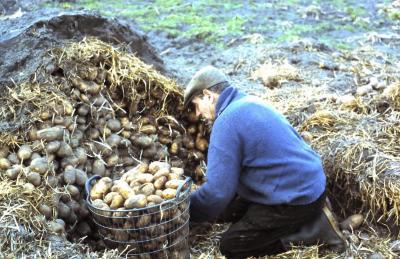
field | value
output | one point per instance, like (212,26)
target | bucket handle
(178,191)
(87,183)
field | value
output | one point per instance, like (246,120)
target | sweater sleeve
(223,171)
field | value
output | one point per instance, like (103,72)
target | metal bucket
(158,231)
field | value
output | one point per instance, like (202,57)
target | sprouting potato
(188,142)
(28,188)
(45,210)
(174,149)
(81,154)
(142,168)
(65,150)
(173,176)
(32,134)
(156,199)
(112,160)
(98,168)
(73,205)
(4,163)
(161,172)
(80,177)
(117,202)
(55,227)
(147,189)
(63,210)
(105,132)
(83,210)
(81,120)
(69,176)
(13,172)
(164,140)
(201,144)
(50,134)
(34,178)
(125,143)
(45,115)
(83,110)
(13,158)
(192,129)
(101,188)
(174,183)
(58,120)
(142,140)
(68,108)
(69,161)
(52,146)
(24,152)
(127,161)
(113,140)
(109,197)
(74,191)
(160,182)
(52,181)
(169,193)
(159,193)
(126,134)
(157,165)
(136,201)
(177,171)
(123,189)
(93,133)
(114,125)
(145,178)
(39,165)
(148,129)
(4,150)
(143,221)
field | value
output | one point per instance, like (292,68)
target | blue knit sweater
(254,152)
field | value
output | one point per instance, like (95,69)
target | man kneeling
(261,175)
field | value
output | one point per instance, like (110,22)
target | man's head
(203,91)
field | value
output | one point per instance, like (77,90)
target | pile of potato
(134,209)
(102,124)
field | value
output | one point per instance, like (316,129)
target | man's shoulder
(247,103)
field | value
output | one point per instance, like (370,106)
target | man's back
(277,166)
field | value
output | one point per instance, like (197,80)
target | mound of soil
(22,48)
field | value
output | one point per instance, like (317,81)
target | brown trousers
(257,229)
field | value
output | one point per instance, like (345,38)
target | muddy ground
(267,30)
(336,45)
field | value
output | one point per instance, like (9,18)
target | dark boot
(323,230)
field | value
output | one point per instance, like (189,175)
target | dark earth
(338,45)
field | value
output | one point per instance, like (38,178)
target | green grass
(200,20)
(394,14)
(176,17)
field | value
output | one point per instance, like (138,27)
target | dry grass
(273,74)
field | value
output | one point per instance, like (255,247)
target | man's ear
(207,92)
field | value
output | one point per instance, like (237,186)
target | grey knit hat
(204,78)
